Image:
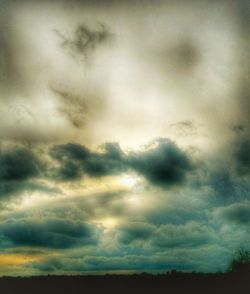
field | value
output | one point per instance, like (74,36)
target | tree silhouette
(240,263)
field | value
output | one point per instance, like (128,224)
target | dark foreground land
(166,283)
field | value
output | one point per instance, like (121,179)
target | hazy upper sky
(124,135)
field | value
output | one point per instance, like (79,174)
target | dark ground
(166,283)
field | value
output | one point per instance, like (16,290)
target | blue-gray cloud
(18,164)
(190,234)
(237,212)
(51,233)
(17,167)
(164,164)
(135,231)
(242,156)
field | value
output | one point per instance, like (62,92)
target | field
(142,283)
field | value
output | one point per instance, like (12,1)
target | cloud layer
(164,164)
(85,87)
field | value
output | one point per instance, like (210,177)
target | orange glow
(17,259)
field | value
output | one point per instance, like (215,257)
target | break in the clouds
(124,135)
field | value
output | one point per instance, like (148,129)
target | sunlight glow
(128,181)
(16,259)
(109,223)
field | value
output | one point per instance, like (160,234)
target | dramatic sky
(124,135)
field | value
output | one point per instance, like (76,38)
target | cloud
(73,107)
(131,90)
(92,163)
(187,235)
(174,258)
(164,164)
(109,162)
(89,207)
(79,158)
(224,184)
(17,188)
(70,156)
(237,212)
(22,169)
(84,39)
(109,263)
(185,128)
(242,156)
(220,179)
(18,164)
(51,233)
(135,231)
(180,207)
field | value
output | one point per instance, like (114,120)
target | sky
(124,135)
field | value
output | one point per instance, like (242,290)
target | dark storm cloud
(69,155)
(242,156)
(69,171)
(18,164)
(84,39)
(70,151)
(238,212)
(52,233)
(93,164)
(17,167)
(79,158)
(163,165)
(7,189)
